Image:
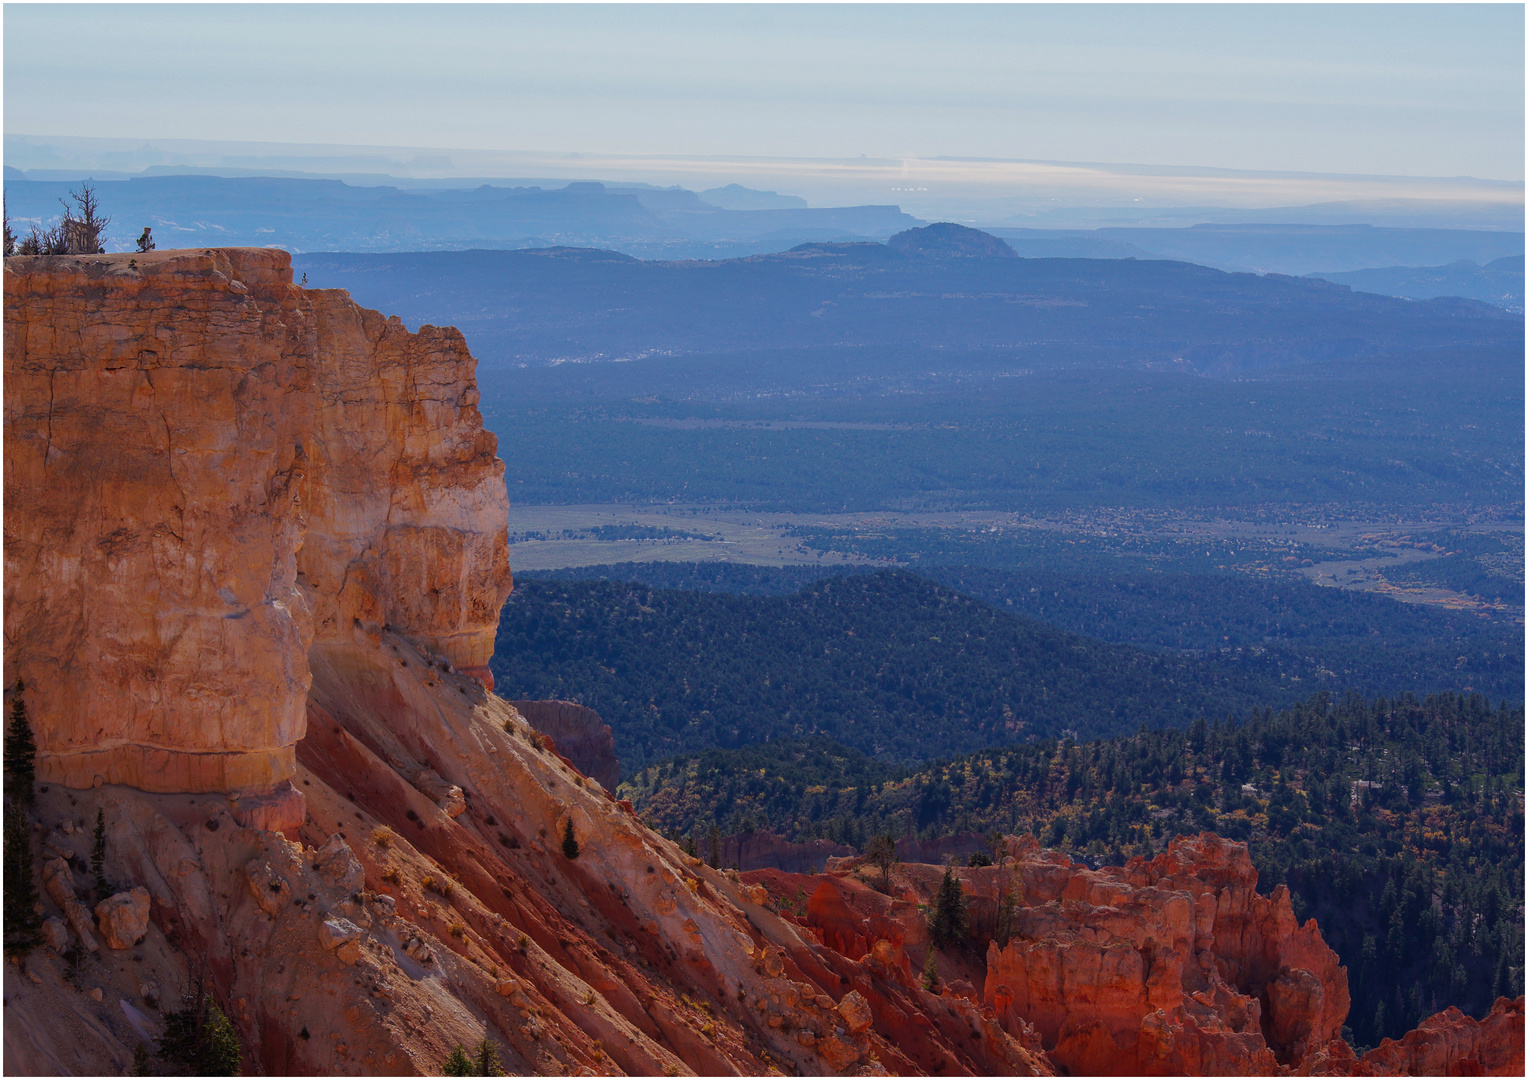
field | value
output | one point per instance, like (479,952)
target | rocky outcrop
(1176,965)
(578,734)
(58,879)
(1452,1044)
(206,469)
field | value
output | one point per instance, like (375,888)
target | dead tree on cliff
(83,225)
(881,852)
(997,844)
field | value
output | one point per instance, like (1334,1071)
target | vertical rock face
(579,735)
(204,466)
(407,512)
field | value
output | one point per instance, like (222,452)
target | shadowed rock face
(206,469)
(579,735)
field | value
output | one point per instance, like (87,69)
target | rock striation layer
(208,468)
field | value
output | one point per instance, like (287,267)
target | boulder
(269,888)
(855,1011)
(332,933)
(124,918)
(55,934)
(838,1052)
(337,866)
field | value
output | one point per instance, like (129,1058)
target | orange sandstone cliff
(207,471)
(255,551)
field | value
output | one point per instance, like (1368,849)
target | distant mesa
(946,240)
(738,197)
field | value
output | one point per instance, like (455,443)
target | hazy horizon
(1415,91)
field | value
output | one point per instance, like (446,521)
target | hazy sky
(1415,90)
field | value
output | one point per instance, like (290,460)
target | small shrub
(443,887)
(382,836)
(391,876)
(457,929)
(522,942)
(569,841)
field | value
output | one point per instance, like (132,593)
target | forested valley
(1396,823)
(888,663)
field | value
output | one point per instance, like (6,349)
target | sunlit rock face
(206,467)
(1176,965)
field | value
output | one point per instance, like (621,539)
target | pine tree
(1006,914)
(221,1051)
(569,841)
(948,925)
(23,926)
(715,840)
(98,857)
(458,1064)
(200,1038)
(486,1059)
(21,749)
(931,972)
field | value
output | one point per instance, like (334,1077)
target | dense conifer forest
(1396,823)
(1271,626)
(887,663)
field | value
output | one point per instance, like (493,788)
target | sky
(1394,90)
